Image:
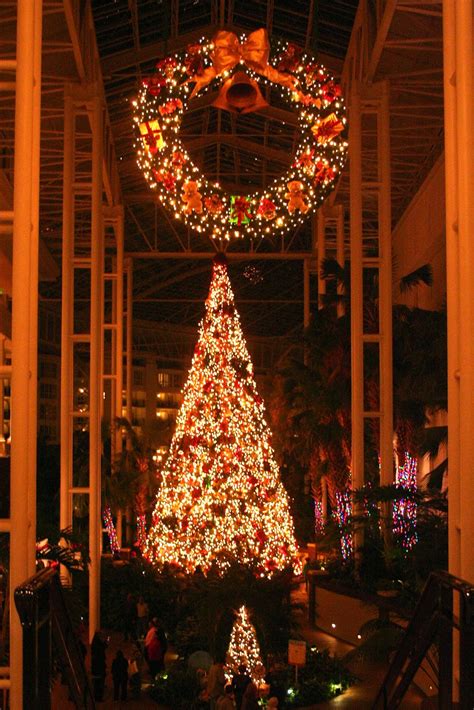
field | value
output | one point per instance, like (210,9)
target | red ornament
(331,91)
(154,84)
(260,535)
(214,204)
(323,172)
(167,179)
(178,159)
(305,161)
(194,61)
(313,73)
(167,66)
(290,58)
(267,209)
(170,107)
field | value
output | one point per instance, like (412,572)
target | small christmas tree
(244,649)
(221,498)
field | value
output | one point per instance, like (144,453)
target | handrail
(434,621)
(45,620)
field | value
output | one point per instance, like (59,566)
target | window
(164,379)
(138,376)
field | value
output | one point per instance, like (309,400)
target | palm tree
(134,476)
(312,405)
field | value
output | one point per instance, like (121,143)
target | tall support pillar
(119,315)
(129,338)
(340,253)
(459,144)
(458,38)
(306,293)
(67,325)
(321,235)
(329,223)
(118,318)
(357,349)
(25,305)
(385,289)
(371,258)
(96,359)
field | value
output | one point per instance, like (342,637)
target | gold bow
(228,52)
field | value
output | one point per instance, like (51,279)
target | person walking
(240,682)
(130,618)
(216,682)
(153,650)
(226,701)
(142,617)
(120,676)
(250,699)
(160,632)
(98,665)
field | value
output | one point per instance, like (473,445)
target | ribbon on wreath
(254,52)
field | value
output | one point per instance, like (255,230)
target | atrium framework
(73,203)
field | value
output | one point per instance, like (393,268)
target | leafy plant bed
(321,679)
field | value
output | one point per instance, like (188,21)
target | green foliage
(66,548)
(140,579)
(322,678)
(391,567)
(177,689)
(422,275)
(209,603)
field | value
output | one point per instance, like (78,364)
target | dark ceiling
(131,37)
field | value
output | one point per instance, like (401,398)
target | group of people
(240,694)
(150,643)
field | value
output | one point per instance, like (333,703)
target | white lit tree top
(244,649)
(221,499)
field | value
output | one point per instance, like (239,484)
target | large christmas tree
(221,498)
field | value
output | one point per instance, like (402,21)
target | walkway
(361,695)
(60,692)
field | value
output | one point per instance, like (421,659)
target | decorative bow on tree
(228,51)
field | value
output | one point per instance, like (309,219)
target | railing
(444,616)
(46,624)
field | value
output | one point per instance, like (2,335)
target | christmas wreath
(217,65)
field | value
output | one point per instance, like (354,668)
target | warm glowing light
(221,498)
(404,510)
(343,515)
(244,649)
(111,532)
(167,166)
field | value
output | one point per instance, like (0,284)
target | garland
(207,66)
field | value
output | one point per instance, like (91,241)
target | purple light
(343,515)
(404,510)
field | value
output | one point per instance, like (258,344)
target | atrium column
(129,338)
(459,150)
(25,305)
(95,373)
